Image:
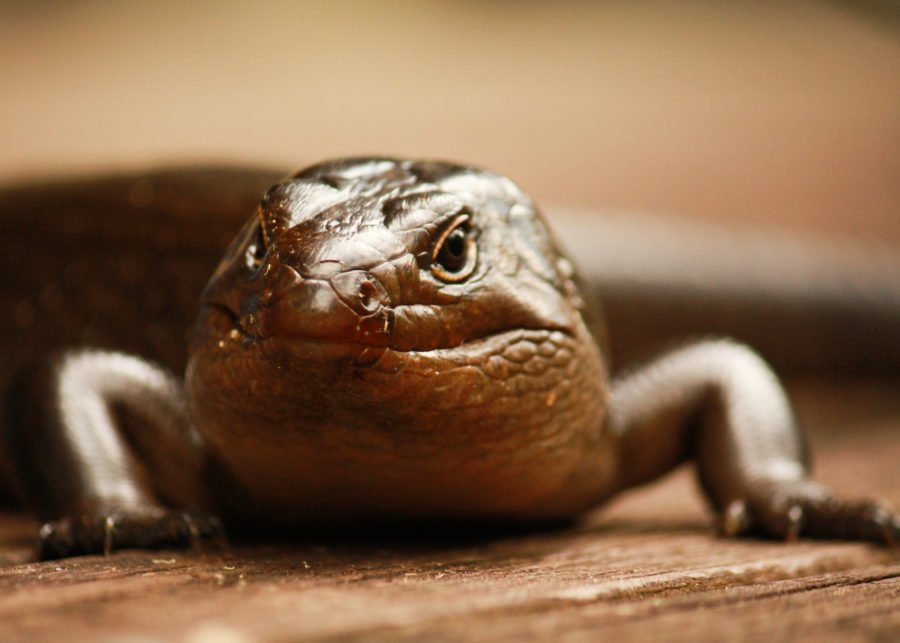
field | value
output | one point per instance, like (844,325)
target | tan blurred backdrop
(784,112)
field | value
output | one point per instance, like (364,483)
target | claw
(735,519)
(109,527)
(47,530)
(53,540)
(194,533)
(218,533)
(794,517)
(888,525)
(204,531)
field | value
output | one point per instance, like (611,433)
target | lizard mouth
(246,329)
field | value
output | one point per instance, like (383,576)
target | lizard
(384,341)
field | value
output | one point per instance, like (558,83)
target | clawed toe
(809,510)
(735,520)
(151,529)
(204,529)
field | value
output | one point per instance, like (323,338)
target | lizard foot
(805,508)
(151,528)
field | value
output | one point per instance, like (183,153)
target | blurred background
(782,113)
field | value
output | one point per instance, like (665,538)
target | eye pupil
(455,253)
(456,244)
(452,256)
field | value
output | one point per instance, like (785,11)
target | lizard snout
(348,307)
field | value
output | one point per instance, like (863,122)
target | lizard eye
(455,251)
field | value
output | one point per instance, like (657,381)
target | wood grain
(646,567)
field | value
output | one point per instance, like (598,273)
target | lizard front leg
(718,403)
(98,445)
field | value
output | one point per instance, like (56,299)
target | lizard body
(384,340)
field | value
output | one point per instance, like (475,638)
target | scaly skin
(384,341)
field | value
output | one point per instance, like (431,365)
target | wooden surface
(646,567)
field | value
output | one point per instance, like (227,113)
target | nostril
(369,296)
(360,291)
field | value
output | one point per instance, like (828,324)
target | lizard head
(380,300)
(375,254)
